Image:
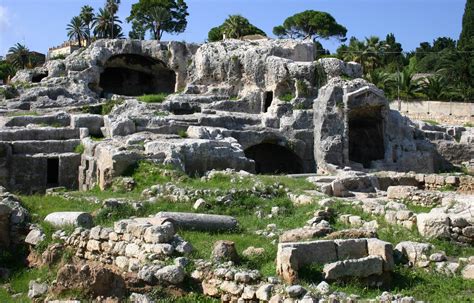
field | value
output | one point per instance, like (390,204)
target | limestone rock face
(413,252)
(433,225)
(171,274)
(93,280)
(225,251)
(236,67)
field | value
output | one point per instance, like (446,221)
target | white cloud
(4,19)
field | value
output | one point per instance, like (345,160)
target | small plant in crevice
(108,106)
(182,133)
(79,149)
(287,97)
(302,87)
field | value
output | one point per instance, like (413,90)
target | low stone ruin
(130,244)
(360,258)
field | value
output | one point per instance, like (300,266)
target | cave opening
(38,77)
(366,135)
(268,101)
(274,159)
(136,75)
(52,171)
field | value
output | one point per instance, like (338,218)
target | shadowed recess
(274,159)
(135,75)
(366,142)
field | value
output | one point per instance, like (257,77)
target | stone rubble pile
(414,195)
(453,220)
(175,193)
(130,244)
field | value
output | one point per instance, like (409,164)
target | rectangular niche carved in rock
(268,101)
(52,171)
(366,135)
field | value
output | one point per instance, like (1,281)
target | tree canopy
(20,56)
(311,25)
(158,17)
(235,26)
(77,30)
(466,39)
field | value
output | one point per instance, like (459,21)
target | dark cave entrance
(38,77)
(366,135)
(52,171)
(136,75)
(274,159)
(268,101)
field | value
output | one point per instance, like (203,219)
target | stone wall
(341,258)
(443,112)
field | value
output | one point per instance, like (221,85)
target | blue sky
(41,24)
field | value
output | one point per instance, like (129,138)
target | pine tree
(467,34)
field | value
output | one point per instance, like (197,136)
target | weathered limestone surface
(343,258)
(69,218)
(195,221)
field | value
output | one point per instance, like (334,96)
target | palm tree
(87,16)
(371,53)
(434,87)
(112,7)
(406,86)
(233,26)
(379,78)
(19,55)
(103,25)
(76,30)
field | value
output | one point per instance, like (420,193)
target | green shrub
(79,149)
(9,92)
(287,97)
(154,98)
(161,113)
(182,133)
(58,57)
(468,124)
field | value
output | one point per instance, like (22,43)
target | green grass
(432,122)
(468,124)
(427,286)
(41,206)
(287,97)
(154,98)
(109,105)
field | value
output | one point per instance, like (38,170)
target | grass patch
(468,124)
(109,105)
(41,206)
(153,98)
(431,122)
